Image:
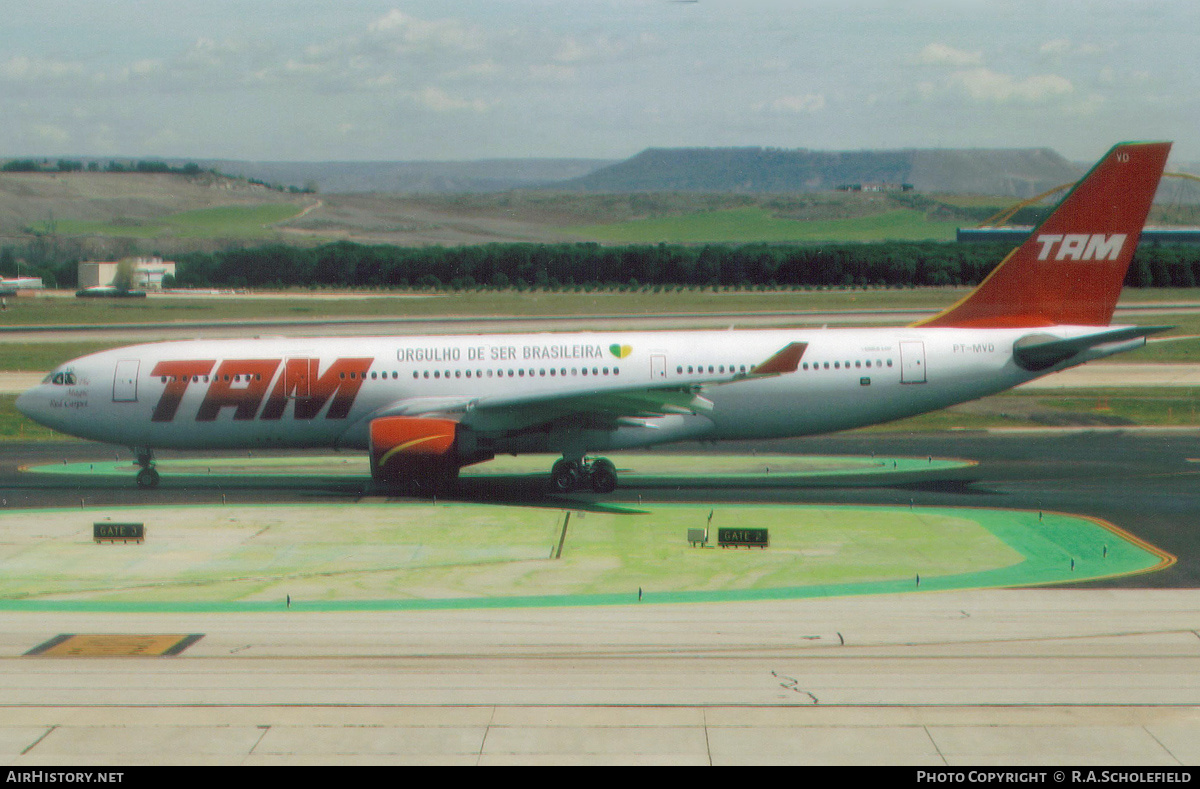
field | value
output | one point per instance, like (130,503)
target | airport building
(1017,235)
(148,273)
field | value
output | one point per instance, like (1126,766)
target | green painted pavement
(426,557)
(642,469)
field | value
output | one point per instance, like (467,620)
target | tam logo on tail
(1070,270)
(1082,246)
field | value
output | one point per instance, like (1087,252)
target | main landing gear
(147,477)
(568,475)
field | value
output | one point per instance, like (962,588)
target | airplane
(423,407)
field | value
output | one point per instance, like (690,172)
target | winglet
(785,361)
(1070,270)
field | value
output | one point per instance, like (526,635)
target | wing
(605,403)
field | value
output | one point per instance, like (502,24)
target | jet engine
(405,447)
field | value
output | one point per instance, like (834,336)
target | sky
(454,80)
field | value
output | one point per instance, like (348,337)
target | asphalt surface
(1144,481)
(1038,677)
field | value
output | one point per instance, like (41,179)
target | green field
(39,357)
(648,300)
(1102,407)
(15,427)
(1170,407)
(309,305)
(36,356)
(221,222)
(755,224)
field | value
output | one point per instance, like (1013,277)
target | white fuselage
(324,392)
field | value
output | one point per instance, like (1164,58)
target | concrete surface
(1004,677)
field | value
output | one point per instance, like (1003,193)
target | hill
(35,199)
(482,176)
(1011,173)
(672,195)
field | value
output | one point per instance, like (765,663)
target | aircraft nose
(31,403)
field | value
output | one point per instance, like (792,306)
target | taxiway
(1098,673)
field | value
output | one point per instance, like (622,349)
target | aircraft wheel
(604,476)
(147,478)
(564,476)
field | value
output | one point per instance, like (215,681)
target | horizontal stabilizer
(1042,351)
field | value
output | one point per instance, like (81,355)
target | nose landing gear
(147,476)
(567,475)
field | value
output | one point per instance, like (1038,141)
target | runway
(1101,673)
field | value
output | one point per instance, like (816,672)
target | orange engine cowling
(405,446)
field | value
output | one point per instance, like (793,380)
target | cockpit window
(62,379)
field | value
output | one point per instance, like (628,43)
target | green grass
(45,356)
(755,224)
(1153,406)
(644,301)
(220,222)
(1138,407)
(1180,351)
(15,427)
(649,300)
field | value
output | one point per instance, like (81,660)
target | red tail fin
(1070,270)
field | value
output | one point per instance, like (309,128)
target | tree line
(114,166)
(140,166)
(593,266)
